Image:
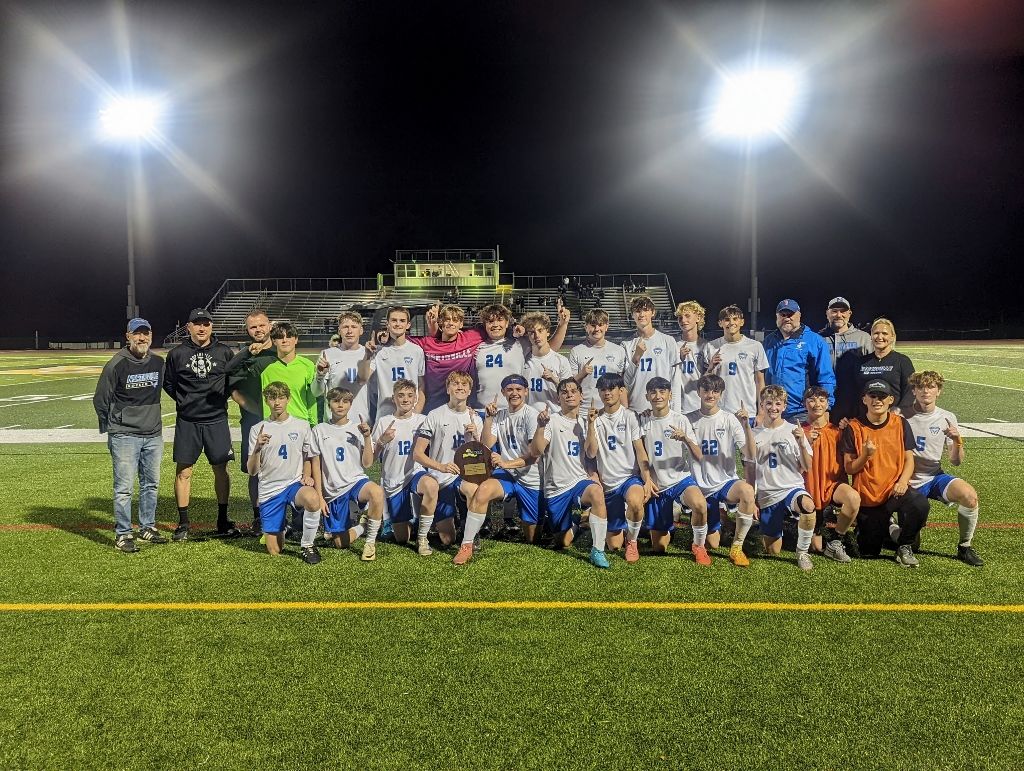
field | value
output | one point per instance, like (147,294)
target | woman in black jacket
(882,363)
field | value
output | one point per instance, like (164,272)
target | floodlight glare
(131,118)
(756,104)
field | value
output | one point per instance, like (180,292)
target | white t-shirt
(281,459)
(740,361)
(514,432)
(670,459)
(341,461)
(691,369)
(446,430)
(544,391)
(344,373)
(496,360)
(390,364)
(616,456)
(778,462)
(659,360)
(563,459)
(719,436)
(609,359)
(929,443)
(396,464)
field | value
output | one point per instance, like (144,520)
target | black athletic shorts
(192,439)
(248,421)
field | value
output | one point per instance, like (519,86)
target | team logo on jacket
(800,345)
(201,364)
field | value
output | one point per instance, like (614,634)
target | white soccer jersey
(691,368)
(390,364)
(609,359)
(514,432)
(659,360)
(446,430)
(496,360)
(281,459)
(341,456)
(344,373)
(563,459)
(544,391)
(778,462)
(740,361)
(670,459)
(616,456)
(929,442)
(718,436)
(396,464)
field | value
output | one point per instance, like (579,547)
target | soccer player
(195,376)
(878,453)
(670,446)
(127,404)
(598,356)
(739,360)
(339,367)
(559,440)
(497,357)
(693,357)
(444,431)
(298,372)
(720,434)
(516,474)
(613,440)
(936,429)
(783,457)
(797,358)
(281,447)
(342,451)
(399,360)
(648,355)
(826,480)
(400,475)
(545,367)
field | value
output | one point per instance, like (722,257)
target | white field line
(999,420)
(39,382)
(4,428)
(42,401)
(984,385)
(969,364)
(83,435)
(66,425)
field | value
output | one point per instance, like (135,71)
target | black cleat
(968,555)
(151,535)
(126,544)
(180,533)
(310,555)
(228,529)
(256,528)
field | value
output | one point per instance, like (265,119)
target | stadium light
(131,118)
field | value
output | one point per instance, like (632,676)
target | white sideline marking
(1003,429)
(77,435)
(968,363)
(66,425)
(18,401)
(997,420)
(984,385)
(4,428)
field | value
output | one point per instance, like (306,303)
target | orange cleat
(465,554)
(701,556)
(738,558)
(632,552)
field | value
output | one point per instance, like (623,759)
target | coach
(797,358)
(127,403)
(844,340)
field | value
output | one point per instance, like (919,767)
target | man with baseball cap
(127,404)
(842,337)
(797,358)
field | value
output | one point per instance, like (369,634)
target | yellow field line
(814,607)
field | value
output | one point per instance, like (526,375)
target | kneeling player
(342,452)
(783,456)
(935,429)
(671,445)
(400,475)
(560,439)
(281,446)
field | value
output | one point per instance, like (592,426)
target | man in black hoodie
(127,403)
(196,378)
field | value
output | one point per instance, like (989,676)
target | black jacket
(196,378)
(854,373)
(127,398)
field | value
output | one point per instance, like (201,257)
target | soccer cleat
(228,529)
(423,547)
(151,536)
(905,557)
(310,555)
(180,533)
(968,555)
(387,531)
(803,561)
(834,551)
(126,544)
(738,558)
(465,554)
(369,552)
(598,558)
(256,528)
(632,552)
(700,555)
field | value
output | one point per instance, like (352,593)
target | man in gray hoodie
(127,403)
(842,337)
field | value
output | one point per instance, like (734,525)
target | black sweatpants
(911,511)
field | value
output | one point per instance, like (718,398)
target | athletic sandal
(151,535)
(738,558)
(598,558)
(369,552)
(423,547)
(126,544)
(968,555)
(632,552)
(465,554)
(180,533)
(701,556)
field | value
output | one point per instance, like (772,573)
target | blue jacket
(801,361)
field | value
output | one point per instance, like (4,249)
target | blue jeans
(135,455)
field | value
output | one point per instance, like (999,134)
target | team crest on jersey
(659,351)
(934,429)
(293,436)
(407,359)
(743,355)
(667,433)
(201,364)
(620,426)
(720,431)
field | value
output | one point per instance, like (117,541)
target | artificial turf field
(210,654)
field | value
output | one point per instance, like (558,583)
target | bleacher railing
(601,280)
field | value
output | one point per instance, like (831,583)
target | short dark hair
(566,381)
(610,380)
(711,383)
(283,329)
(656,383)
(339,394)
(815,392)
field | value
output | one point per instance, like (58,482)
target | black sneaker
(227,529)
(968,555)
(310,555)
(151,535)
(180,533)
(256,528)
(126,544)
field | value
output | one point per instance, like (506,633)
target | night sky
(328,135)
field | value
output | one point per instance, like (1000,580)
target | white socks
(632,530)
(803,539)
(372,528)
(700,534)
(474,522)
(743,524)
(423,528)
(598,531)
(310,524)
(968,521)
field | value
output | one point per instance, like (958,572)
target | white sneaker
(423,547)
(803,561)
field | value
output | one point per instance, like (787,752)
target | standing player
(738,360)
(783,457)
(693,358)
(720,434)
(400,475)
(342,451)
(497,357)
(671,445)
(383,367)
(339,367)
(545,367)
(648,355)
(559,440)
(934,430)
(598,356)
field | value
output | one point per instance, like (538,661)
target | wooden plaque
(474,462)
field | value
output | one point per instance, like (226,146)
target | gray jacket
(840,344)
(127,398)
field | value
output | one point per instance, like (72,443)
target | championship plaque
(474,462)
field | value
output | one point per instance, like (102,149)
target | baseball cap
(788,305)
(199,314)
(839,301)
(879,387)
(136,324)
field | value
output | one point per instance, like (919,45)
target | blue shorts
(715,500)
(559,508)
(446,507)
(341,513)
(527,498)
(615,502)
(936,489)
(400,504)
(273,510)
(658,514)
(774,517)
